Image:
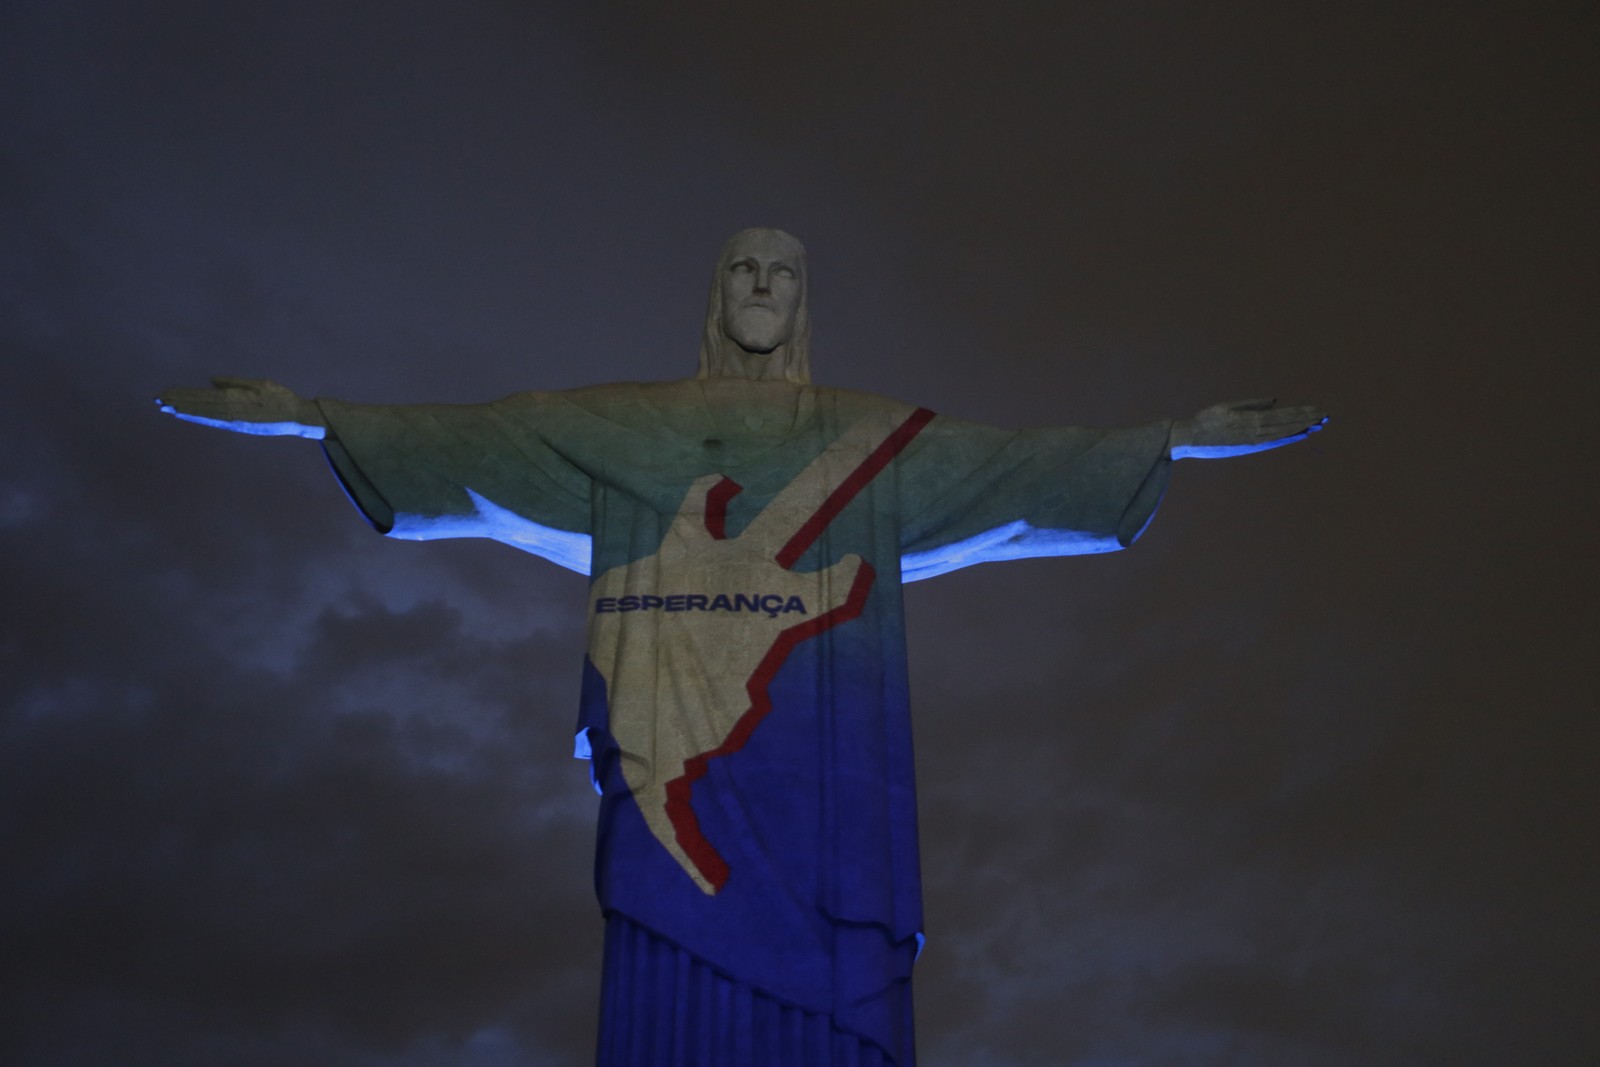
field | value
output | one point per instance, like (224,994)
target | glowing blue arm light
(252,406)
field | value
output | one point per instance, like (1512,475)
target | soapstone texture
(744,702)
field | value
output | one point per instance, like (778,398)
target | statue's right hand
(245,405)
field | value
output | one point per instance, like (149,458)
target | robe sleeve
(428,471)
(973,494)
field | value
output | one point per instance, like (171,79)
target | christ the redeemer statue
(744,696)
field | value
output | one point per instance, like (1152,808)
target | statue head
(756,323)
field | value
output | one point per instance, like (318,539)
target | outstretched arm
(246,405)
(1239,427)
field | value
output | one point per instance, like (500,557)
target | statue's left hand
(246,405)
(1239,427)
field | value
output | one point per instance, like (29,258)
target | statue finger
(1291,432)
(1309,412)
(223,381)
(1278,429)
(1306,423)
(186,399)
(1292,417)
(1260,403)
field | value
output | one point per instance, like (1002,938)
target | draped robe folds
(744,699)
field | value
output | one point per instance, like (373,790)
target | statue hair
(715,344)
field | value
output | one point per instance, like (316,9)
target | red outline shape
(857,480)
(717,498)
(679,809)
(712,867)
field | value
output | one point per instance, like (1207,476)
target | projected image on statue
(745,687)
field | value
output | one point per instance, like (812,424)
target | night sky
(1306,779)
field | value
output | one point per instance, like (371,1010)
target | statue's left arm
(972,494)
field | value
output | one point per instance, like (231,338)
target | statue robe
(744,699)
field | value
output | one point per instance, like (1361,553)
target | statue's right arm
(247,405)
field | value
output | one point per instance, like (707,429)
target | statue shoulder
(855,400)
(635,405)
(847,407)
(588,397)
(692,392)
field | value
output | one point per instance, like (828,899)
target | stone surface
(745,699)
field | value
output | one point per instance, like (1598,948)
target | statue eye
(784,272)
(744,266)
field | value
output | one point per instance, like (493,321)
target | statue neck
(736,362)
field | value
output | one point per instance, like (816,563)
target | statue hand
(1239,427)
(246,405)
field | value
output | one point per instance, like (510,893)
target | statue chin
(758,331)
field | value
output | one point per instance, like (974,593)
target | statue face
(761,291)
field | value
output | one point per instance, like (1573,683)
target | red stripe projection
(686,826)
(712,867)
(717,498)
(853,484)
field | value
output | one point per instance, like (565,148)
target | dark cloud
(1306,778)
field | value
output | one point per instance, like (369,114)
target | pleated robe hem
(662,1006)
